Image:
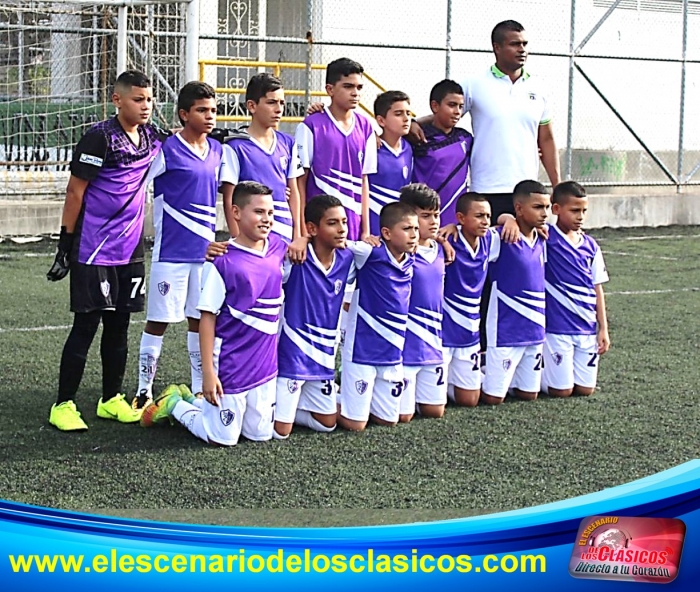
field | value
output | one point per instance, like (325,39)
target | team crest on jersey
(292,386)
(284,162)
(104,288)
(338,286)
(227,416)
(507,364)
(360,156)
(361,386)
(557,357)
(163,288)
(404,170)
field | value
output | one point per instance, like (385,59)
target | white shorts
(371,389)
(250,414)
(423,385)
(173,291)
(570,360)
(513,367)
(463,366)
(316,396)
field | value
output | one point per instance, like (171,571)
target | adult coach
(511,122)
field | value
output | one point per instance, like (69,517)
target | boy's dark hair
(498,35)
(523,189)
(261,84)
(191,93)
(567,189)
(245,191)
(318,206)
(465,201)
(342,67)
(419,195)
(444,88)
(393,213)
(130,78)
(384,102)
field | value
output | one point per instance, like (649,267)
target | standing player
(338,149)
(515,323)
(394,157)
(240,305)
(442,161)
(185,174)
(577,324)
(373,379)
(269,157)
(425,376)
(102,245)
(306,390)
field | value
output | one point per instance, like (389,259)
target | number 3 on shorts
(135,283)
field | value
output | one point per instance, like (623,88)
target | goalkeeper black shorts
(121,288)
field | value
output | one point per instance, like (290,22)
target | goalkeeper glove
(60,266)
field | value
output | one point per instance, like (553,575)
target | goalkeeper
(101,244)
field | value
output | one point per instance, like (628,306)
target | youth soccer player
(338,148)
(515,322)
(442,161)
(576,321)
(268,156)
(101,244)
(464,282)
(425,376)
(306,389)
(186,179)
(240,306)
(373,379)
(392,110)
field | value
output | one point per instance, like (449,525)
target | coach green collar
(498,74)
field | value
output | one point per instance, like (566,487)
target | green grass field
(642,420)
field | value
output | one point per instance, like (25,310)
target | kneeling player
(240,305)
(577,324)
(306,390)
(425,374)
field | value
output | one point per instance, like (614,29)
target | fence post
(309,48)
(122,48)
(448,41)
(570,114)
(681,125)
(192,41)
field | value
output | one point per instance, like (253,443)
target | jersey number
(327,388)
(592,361)
(136,282)
(398,389)
(539,364)
(440,371)
(476,358)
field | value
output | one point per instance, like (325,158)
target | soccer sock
(191,417)
(195,361)
(149,352)
(199,403)
(114,349)
(75,354)
(306,419)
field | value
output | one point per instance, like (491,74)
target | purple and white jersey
(516,308)
(245,159)
(110,226)
(376,329)
(313,299)
(464,284)
(423,345)
(185,184)
(571,274)
(244,288)
(394,171)
(442,163)
(337,160)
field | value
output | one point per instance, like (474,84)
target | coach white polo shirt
(505,119)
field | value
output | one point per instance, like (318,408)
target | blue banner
(543,547)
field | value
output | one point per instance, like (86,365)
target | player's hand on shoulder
(447,249)
(315,107)
(544,231)
(415,133)
(61,264)
(216,249)
(510,231)
(297,250)
(372,240)
(603,342)
(448,232)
